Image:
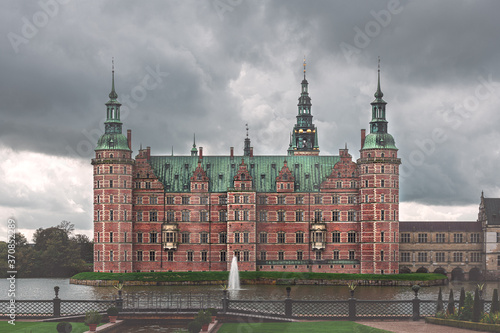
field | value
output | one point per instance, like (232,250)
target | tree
(461,300)
(494,302)
(477,309)
(85,246)
(439,307)
(451,303)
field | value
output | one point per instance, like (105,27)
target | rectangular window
(405,237)
(223,216)
(281,200)
(498,260)
(475,257)
(263,238)
(170,200)
(262,200)
(336,237)
(422,238)
(300,255)
(111,237)
(381,255)
(281,216)
(351,254)
(317,200)
(170,256)
(139,216)
(263,216)
(203,216)
(422,257)
(222,200)
(351,199)
(440,257)
(335,216)
(245,215)
(236,237)
(169,237)
(299,200)
(223,256)
(458,238)
(318,216)
(204,256)
(139,238)
(189,255)
(351,237)
(299,237)
(153,200)
(335,199)
(299,216)
(474,238)
(110,255)
(152,256)
(153,216)
(204,200)
(204,238)
(246,256)
(440,238)
(351,216)
(245,237)
(281,237)
(382,215)
(405,257)
(382,236)
(458,256)
(170,216)
(139,255)
(336,255)
(185,238)
(223,238)
(263,255)
(318,255)
(185,215)
(185,200)
(281,255)
(153,237)
(125,255)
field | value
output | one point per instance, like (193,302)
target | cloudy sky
(209,67)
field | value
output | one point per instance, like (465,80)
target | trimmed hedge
(463,324)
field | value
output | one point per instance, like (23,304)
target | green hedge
(464,324)
(221,276)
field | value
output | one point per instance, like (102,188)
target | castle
(300,211)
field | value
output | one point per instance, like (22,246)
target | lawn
(38,327)
(300,327)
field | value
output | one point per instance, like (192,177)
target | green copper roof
(309,171)
(379,140)
(112,141)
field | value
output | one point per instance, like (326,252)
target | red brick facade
(301,212)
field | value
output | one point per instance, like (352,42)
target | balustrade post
(225,301)
(57,303)
(288,303)
(416,303)
(352,307)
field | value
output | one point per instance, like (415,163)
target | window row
(457,257)
(112,169)
(440,238)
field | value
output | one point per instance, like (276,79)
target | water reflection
(44,289)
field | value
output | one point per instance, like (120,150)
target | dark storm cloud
(219,62)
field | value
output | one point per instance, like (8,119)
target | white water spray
(234,276)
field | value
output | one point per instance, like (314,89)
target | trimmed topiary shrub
(64,327)
(477,310)
(440,307)
(495,306)
(451,304)
(461,300)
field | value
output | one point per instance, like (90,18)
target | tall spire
(246,150)
(113,95)
(378,93)
(194,151)
(304,67)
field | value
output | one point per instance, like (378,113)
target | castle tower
(304,136)
(113,193)
(379,194)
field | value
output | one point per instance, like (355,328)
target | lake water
(43,289)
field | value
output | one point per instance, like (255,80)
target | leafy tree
(85,246)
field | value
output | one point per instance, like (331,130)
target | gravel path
(413,327)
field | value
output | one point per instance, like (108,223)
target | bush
(112,311)
(465,312)
(92,317)
(194,326)
(64,327)
(203,317)
(491,318)
(213,312)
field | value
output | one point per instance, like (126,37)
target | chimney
(148,149)
(232,152)
(363,135)
(251,151)
(201,153)
(129,139)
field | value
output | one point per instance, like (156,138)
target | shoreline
(266,281)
